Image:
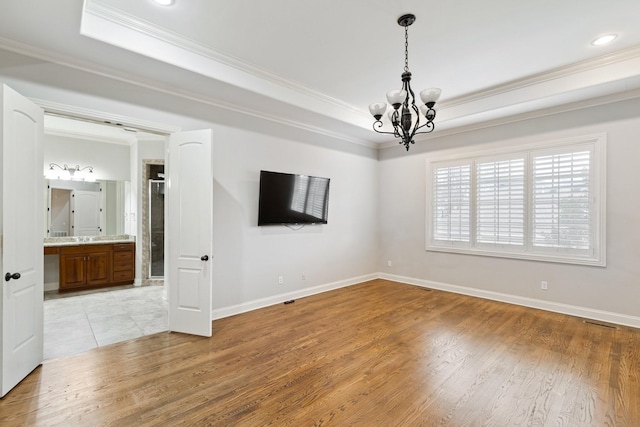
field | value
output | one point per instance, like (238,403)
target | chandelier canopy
(406,118)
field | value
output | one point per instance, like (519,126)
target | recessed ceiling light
(164,2)
(602,40)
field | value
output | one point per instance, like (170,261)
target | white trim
(92,68)
(623,55)
(555,307)
(121,18)
(244,307)
(51,286)
(570,70)
(124,19)
(101,116)
(89,137)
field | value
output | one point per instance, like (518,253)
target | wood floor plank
(375,354)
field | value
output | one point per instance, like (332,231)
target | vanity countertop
(88,240)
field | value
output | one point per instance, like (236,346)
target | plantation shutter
(500,202)
(562,200)
(452,203)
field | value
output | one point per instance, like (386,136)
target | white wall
(109,161)
(248,259)
(614,290)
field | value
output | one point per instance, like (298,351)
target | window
(544,201)
(451,203)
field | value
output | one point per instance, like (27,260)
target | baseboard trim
(220,313)
(51,286)
(585,312)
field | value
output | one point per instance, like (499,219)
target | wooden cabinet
(124,259)
(86,266)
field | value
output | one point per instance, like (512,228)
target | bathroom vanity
(95,263)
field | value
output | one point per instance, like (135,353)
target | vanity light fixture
(406,118)
(605,39)
(72,171)
(164,2)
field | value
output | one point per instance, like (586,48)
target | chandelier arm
(416,125)
(429,125)
(379,124)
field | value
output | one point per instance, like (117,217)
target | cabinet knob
(204,257)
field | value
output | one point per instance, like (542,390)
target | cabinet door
(73,272)
(98,268)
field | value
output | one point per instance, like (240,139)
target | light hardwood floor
(374,354)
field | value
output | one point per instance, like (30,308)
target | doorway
(156,228)
(152,239)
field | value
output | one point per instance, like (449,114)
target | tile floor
(75,324)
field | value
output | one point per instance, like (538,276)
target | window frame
(595,256)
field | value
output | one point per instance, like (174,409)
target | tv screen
(292,199)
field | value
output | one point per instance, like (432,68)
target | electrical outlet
(280,280)
(389,263)
(544,285)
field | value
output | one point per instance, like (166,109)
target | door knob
(9,276)
(204,257)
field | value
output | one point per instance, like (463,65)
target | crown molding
(98,8)
(65,133)
(124,19)
(623,55)
(101,117)
(578,105)
(92,68)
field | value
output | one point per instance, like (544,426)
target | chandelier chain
(406,48)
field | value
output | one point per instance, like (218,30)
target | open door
(189,194)
(21,237)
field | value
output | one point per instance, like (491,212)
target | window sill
(542,257)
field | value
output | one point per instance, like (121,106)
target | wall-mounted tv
(292,199)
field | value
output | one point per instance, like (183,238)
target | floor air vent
(596,323)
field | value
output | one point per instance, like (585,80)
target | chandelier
(406,118)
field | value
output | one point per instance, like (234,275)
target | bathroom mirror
(84,209)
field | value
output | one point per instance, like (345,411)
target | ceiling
(317,65)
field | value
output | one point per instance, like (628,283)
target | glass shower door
(156,228)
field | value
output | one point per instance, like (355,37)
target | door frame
(103,118)
(136,175)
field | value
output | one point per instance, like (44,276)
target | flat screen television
(292,199)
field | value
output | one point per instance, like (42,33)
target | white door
(189,195)
(85,212)
(21,233)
